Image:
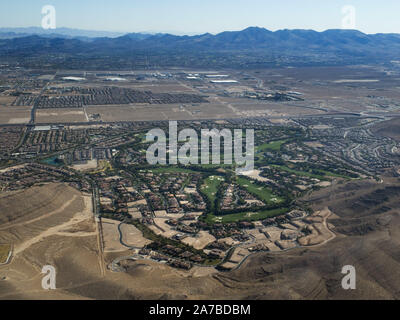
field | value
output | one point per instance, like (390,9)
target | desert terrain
(364,230)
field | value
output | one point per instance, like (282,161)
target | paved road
(326,115)
(35,105)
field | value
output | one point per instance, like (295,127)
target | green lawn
(246,216)
(264,193)
(215,166)
(210,188)
(299,173)
(322,176)
(271,146)
(169,169)
(335,175)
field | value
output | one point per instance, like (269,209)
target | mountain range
(252,44)
(9,33)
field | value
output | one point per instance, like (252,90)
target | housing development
(83,136)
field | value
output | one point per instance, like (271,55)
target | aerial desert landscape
(213,158)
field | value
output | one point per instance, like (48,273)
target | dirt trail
(325,224)
(100,241)
(64,294)
(77,234)
(230,106)
(59,210)
(57,230)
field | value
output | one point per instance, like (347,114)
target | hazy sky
(199,16)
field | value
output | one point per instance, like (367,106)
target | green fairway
(335,175)
(263,193)
(169,169)
(271,146)
(299,173)
(210,188)
(322,176)
(215,166)
(246,216)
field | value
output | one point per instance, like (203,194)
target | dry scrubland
(133,236)
(366,220)
(15,115)
(160,112)
(60,115)
(49,224)
(389,128)
(4,252)
(58,229)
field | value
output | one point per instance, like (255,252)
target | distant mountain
(65,32)
(252,47)
(287,40)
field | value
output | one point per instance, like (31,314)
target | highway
(35,105)
(325,115)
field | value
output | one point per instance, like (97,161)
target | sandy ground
(6,100)
(60,115)
(255,174)
(59,231)
(161,112)
(111,236)
(274,233)
(238,255)
(59,210)
(91,164)
(78,217)
(201,241)
(12,168)
(133,236)
(137,203)
(15,115)
(320,233)
(162,228)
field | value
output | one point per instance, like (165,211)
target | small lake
(54,161)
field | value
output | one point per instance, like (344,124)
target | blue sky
(199,16)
